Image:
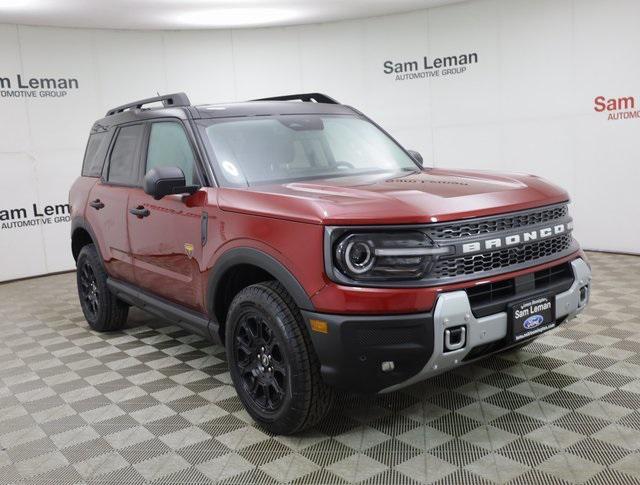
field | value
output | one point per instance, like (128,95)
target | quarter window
(123,164)
(169,147)
(94,154)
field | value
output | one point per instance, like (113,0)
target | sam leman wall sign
(429,67)
(21,86)
(620,108)
(17,217)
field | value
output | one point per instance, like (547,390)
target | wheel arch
(250,266)
(81,235)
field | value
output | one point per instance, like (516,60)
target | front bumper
(355,349)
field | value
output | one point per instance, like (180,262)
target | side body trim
(181,316)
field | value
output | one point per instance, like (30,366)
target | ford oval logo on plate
(531,317)
(533,321)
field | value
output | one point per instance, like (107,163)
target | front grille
(490,298)
(491,292)
(476,248)
(497,224)
(554,275)
(502,258)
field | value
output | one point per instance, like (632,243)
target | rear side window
(94,154)
(123,163)
(169,147)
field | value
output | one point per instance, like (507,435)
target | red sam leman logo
(622,108)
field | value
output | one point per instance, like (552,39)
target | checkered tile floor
(154,404)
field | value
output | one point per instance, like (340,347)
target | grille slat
(502,258)
(496,224)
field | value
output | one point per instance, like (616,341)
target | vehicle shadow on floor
(455,402)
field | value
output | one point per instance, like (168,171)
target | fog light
(584,295)
(387,366)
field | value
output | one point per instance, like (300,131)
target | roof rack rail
(168,100)
(306,97)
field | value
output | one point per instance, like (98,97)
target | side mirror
(417,157)
(161,181)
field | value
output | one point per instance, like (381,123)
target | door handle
(140,212)
(96,204)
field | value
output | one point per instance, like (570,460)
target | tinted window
(169,147)
(94,154)
(123,164)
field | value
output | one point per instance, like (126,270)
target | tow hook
(455,338)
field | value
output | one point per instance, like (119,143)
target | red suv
(319,251)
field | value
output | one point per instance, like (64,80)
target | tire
(280,386)
(104,311)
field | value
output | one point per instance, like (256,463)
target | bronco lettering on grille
(515,239)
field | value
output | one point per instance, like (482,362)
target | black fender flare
(262,260)
(80,222)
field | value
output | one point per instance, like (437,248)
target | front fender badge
(188,248)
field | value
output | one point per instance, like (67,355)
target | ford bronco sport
(318,250)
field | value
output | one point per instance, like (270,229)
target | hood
(433,195)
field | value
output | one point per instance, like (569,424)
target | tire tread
(312,402)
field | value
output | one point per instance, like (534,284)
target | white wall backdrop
(527,105)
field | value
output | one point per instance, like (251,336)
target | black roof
(177,105)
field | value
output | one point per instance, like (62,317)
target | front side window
(169,147)
(299,147)
(123,163)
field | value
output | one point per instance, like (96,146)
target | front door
(165,234)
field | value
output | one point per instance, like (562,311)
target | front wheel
(271,360)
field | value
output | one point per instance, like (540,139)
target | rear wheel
(101,308)
(271,360)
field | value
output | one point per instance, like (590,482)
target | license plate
(532,316)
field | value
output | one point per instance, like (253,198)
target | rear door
(107,208)
(166,243)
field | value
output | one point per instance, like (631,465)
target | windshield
(297,147)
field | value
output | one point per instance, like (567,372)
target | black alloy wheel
(102,309)
(272,362)
(261,362)
(88,289)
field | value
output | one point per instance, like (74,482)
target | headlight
(358,256)
(382,256)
